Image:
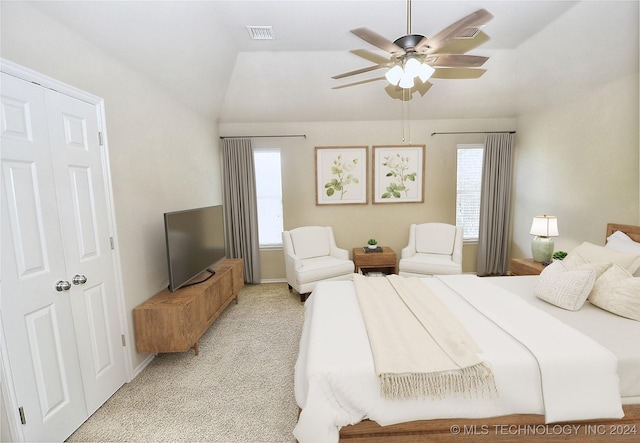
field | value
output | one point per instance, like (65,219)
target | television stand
(175,321)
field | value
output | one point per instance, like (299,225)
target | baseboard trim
(138,369)
(273,280)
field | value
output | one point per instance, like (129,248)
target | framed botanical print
(398,174)
(341,175)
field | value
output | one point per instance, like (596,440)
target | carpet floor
(238,389)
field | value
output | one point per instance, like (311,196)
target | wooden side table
(525,266)
(384,261)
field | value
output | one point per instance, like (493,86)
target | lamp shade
(544,226)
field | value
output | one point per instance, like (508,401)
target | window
(269,196)
(468,185)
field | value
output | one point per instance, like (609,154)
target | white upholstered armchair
(434,248)
(311,255)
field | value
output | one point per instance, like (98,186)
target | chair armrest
(408,251)
(339,253)
(294,260)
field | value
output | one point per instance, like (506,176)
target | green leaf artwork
(343,177)
(400,174)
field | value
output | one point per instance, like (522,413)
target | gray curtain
(495,205)
(240,204)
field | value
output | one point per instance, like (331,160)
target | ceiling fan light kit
(414,55)
(406,70)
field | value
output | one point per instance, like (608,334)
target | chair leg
(290,288)
(303,297)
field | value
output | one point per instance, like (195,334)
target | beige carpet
(239,389)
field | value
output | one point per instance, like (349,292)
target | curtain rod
(472,132)
(265,136)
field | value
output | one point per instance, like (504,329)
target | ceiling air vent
(468,33)
(260,32)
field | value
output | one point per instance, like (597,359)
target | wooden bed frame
(505,429)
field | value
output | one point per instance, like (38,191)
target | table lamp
(543,227)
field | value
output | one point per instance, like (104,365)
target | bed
(338,391)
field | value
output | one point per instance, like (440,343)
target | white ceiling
(201,54)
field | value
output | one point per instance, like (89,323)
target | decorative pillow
(619,241)
(599,268)
(564,288)
(590,253)
(618,292)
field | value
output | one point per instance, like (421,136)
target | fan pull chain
(406,117)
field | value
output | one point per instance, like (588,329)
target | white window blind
(269,196)
(469,187)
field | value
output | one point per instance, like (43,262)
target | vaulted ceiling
(201,54)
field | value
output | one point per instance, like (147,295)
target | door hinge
(124,341)
(23,420)
(112,243)
(100,140)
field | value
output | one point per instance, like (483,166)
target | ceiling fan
(414,58)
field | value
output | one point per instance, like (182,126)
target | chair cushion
(320,268)
(310,241)
(429,264)
(435,238)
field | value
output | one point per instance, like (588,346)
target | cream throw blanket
(419,348)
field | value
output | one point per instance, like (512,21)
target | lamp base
(542,249)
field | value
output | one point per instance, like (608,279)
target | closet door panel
(36,317)
(82,197)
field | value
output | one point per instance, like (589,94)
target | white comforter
(336,385)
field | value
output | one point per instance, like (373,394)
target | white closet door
(81,196)
(62,331)
(37,318)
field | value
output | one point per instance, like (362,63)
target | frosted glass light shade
(394,75)
(544,226)
(406,82)
(425,72)
(412,67)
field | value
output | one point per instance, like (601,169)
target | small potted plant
(373,244)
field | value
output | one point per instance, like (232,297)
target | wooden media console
(175,321)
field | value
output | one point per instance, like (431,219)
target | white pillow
(590,253)
(564,288)
(618,292)
(599,268)
(619,241)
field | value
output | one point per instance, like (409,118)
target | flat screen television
(195,241)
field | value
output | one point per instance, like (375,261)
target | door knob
(79,279)
(63,285)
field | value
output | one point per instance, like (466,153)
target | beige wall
(355,224)
(579,161)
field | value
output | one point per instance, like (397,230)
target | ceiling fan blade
(458,73)
(377,40)
(464,45)
(456,60)
(371,56)
(362,82)
(444,37)
(359,71)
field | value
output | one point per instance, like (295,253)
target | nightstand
(384,261)
(525,266)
